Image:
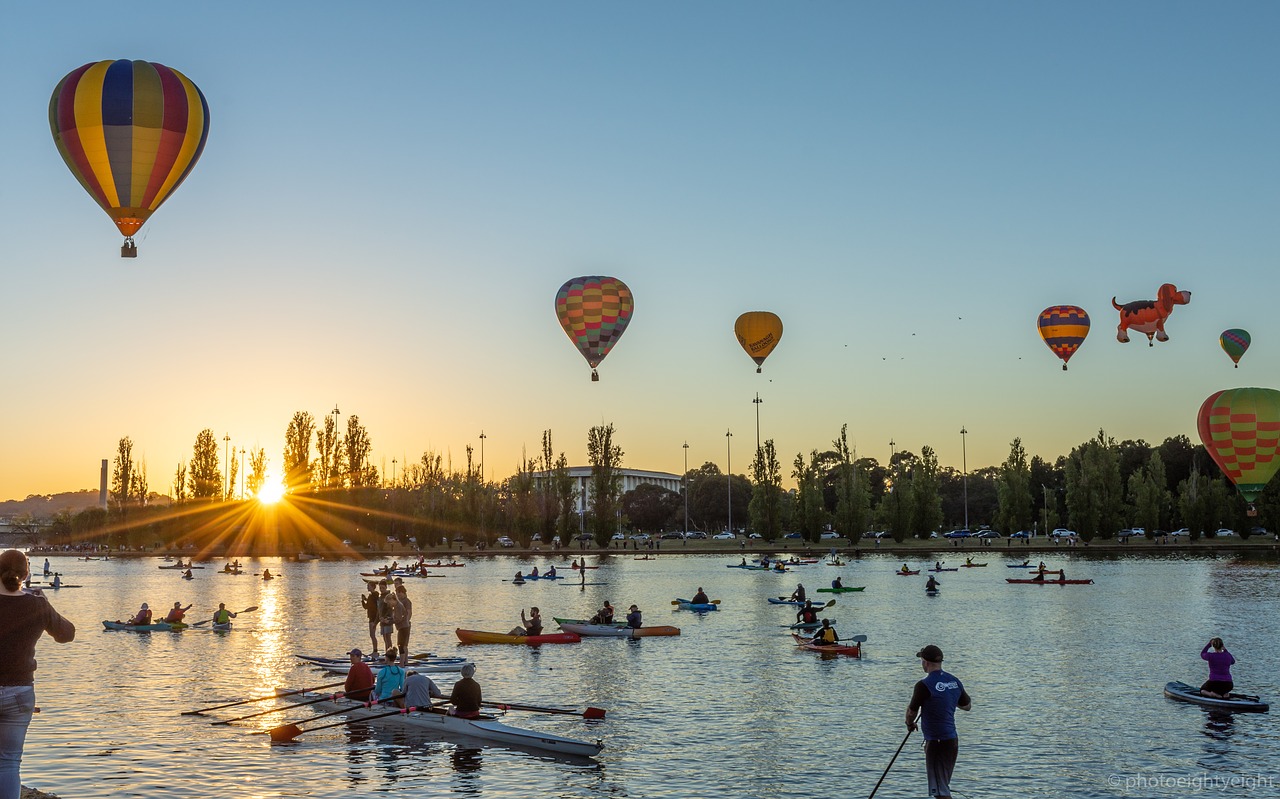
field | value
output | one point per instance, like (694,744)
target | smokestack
(102,486)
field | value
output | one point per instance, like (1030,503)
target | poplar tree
(1015,509)
(203,475)
(606,481)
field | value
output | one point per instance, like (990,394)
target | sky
(392,193)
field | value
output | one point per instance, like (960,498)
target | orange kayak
(479,637)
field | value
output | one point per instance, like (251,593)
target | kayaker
(222,615)
(798,595)
(143,616)
(807,614)
(390,679)
(551,572)
(466,696)
(360,680)
(633,618)
(402,617)
(837,583)
(826,635)
(25,617)
(176,613)
(266,574)
(1041,567)
(529,626)
(534,572)
(518,579)
(419,690)
(370,605)
(905,569)
(934,700)
(187,573)
(937,565)
(1219,685)
(1039,578)
(968,561)
(744,561)
(604,615)
(932,584)
(700,598)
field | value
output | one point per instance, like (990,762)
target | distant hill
(43,506)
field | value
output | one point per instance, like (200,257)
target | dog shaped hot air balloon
(1148,316)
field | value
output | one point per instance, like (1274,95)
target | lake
(1066,682)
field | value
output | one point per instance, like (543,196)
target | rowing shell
(486,728)
(612,631)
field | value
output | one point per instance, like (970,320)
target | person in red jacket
(360,679)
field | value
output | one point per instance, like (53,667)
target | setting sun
(272,491)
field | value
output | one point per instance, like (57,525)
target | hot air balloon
(130,131)
(1148,316)
(758,332)
(1235,342)
(1063,328)
(594,311)
(1240,427)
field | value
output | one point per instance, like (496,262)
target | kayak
(700,607)
(972,565)
(56,587)
(842,590)
(799,603)
(188,577)
(142,628)
(613,631)
(224,627)
(180,568)
(479,637)
(809,625)
(853,651)
(484,728)
(748,568)
(544,577)
(1018,566)
(1189,693)
(906,574)
(563,622)
(943,570)
(1050,582)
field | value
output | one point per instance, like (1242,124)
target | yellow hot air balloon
(758,332)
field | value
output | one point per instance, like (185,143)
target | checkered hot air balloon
(1240,427)
(130,131)
(594,312)
(1234,342)
(1063,328)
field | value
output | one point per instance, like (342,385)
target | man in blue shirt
(935,700)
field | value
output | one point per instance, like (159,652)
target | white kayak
(613,631)
(485,728)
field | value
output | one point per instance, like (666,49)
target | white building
(631,478)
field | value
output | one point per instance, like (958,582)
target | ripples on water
(1066,682)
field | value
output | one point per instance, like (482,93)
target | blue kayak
(781,601)
(701,607)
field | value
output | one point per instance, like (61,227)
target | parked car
(793,535)
(1180,531)
(391,539)
(618,537)
(958,534)
(639,536)
(722,536)
(1223,532)
(755,535)
(555,539)
(584,537)
(828,536)
(988,534)
(879,534)
(1063,532)
(696,534)
(671,536)
(504,541)
(1022,534)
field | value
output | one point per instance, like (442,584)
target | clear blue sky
(392,193)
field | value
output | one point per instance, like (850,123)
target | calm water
(1066,682)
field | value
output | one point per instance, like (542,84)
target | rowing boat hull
(485,729)
(842,590)
(480,637)
(610,631)
(854,651)
(1049,582)
(1189,693)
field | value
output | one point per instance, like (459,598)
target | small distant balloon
(1235,342)
(594,312)
(1240,428)
(1063,328)
(758,332)
(130,132)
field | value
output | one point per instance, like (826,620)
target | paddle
(290,731)
(895,757)
(277,709)
(249,609)
(260,699)
(589,713)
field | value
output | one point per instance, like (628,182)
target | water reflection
(1219,724)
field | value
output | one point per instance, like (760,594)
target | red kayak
(907,574)
(1050,582)
(478,637)
(853,651)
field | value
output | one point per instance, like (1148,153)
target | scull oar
(260,699)
(589,713)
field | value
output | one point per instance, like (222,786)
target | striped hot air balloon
(1240,427)
(594,312)
(130,131)
(1234,342)
(1063,328)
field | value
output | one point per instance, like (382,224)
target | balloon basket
(128,249)
(595,376)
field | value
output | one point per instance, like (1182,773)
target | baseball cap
(930,653)
(356,652)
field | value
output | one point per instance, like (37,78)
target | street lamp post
(893,477)
(728,443)
(226,456)
(482,438)
(242,474)
(964,465)
(393,473)
(685,477)
(757,402)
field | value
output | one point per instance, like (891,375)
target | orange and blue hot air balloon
(758,332)
(1240,427)
(594,312)
(1063,328)
(130,131)
(1235,342)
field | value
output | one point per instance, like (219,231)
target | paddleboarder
(799,594)
(1219,685)
(934,700)
(403,620)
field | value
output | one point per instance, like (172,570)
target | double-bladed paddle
(249,609)
(589,713)
(260,699)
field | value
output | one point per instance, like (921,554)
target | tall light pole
(757,402)
(333,455)
(242,474)
(728,443)
(482,438)
(393,473)
(685,477)
(964,464)
(226,456)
